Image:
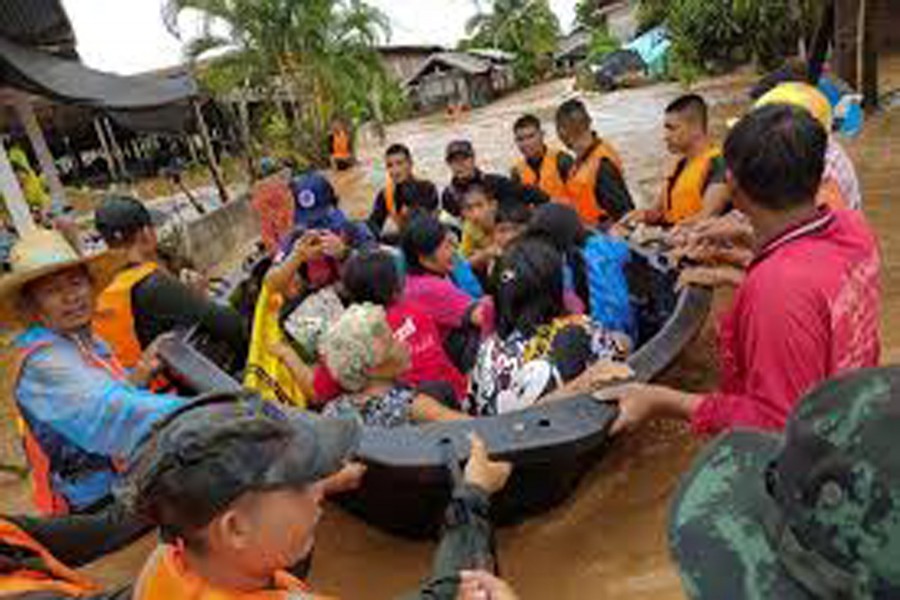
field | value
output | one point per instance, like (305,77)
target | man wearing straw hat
(79,411)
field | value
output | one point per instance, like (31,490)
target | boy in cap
(144,301)
(810,514)
(808,308)
(236,486)
(460,158)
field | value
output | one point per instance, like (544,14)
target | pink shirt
(428,360)
(438,297)
(807,311)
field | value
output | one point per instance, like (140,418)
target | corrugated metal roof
(467,63)
(37,23)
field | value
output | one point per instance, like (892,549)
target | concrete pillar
(25,111)
(13,196)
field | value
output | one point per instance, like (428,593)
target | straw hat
(41,253)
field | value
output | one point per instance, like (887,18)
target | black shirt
(504,189)
(416,193)
(161,303)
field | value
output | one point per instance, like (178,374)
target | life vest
(685,189)
(39,570)
(166,577)
(340,145)
(390,199)
(582,182)
(830,195)
(46,499)
(548,180)
(114,319)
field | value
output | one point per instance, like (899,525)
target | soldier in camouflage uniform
(814,513)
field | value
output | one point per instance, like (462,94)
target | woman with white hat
(79,412)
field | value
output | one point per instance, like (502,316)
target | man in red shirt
(808,308)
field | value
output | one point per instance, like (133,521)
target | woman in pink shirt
(808,307)
(428,248)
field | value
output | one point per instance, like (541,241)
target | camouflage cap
(811,514)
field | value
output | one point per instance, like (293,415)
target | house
(620,17)
(460,78)
(402,62)
(572,50)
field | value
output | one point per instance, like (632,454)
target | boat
(411,469)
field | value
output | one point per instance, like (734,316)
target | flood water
(608,541)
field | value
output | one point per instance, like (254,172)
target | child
(479,214)
(362,354)
(510,223)
(538,344)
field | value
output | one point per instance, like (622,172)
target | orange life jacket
(390,198)
(114,319)
(340,145)
(165,577)
(684,195)
(548,180)
(830,195)
(582,182)
(47,575)
(45,498)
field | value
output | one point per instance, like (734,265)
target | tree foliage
(318,56)
(527,28)
(716,33)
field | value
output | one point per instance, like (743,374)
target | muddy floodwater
(608,540)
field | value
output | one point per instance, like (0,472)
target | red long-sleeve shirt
(807,311)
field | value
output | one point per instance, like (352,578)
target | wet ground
(608,541)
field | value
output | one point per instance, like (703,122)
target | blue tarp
(653,48)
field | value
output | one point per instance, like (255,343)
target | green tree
(527,28)
(317,56)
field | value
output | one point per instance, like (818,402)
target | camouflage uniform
(811,514)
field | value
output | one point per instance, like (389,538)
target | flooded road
(608,541)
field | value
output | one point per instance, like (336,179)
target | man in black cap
(460,158)
(144,301)
(235,485)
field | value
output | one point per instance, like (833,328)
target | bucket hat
(813,513)
(41,253)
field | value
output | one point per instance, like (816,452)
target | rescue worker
(79,411)
(540,166)
(235,486)
(596,186)
(696,188)
(460,157)
(808,307)
(144,301)
(340,144)
(402,193)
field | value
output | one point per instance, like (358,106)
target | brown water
(608,541)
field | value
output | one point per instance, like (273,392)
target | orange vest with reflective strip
(165,577)
(114,319)
(53,577)
(582,182)
(548,180)
(340,145)
(684,196)
(46,500)
(390,198)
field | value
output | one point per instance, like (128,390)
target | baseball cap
(813,513)
(118,217)
(459,148)
(211,451)
(315,200)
